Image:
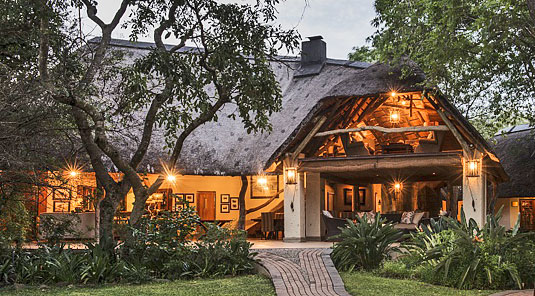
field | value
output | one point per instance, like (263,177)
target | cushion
(405,226)
(370,216)
(417,217)
(406,217)
(327,214)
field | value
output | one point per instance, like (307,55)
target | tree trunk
(107,208)
(141,198)
(243,210)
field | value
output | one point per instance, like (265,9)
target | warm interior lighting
(171,178)
(393,94)
(397,186)
(73,170)
(395,116)
(472,168)
(291,176)
(403,103)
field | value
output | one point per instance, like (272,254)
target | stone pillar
(313,206)
(294,206)
(474,194)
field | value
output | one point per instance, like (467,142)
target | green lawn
(245,285)
(362,283)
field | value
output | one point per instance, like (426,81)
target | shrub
(467,256)
(14,221)
(365,244)
(54,229)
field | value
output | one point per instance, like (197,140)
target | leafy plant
(471,257)
(365,244)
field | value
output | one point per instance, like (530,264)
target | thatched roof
(516,150)
(225,148)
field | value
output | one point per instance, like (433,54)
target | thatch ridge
(517,156)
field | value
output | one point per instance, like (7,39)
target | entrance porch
(432,183)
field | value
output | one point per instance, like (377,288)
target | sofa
(332,225)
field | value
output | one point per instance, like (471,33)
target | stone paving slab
(302,272)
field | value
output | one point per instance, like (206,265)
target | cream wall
(509,213)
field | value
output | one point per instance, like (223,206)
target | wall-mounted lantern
(291,175)
(398,186)
(395,116)
(473,168)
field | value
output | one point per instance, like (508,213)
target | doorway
(527,214)
(206,205)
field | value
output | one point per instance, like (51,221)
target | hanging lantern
(395,116)
(291,175)
(473,168)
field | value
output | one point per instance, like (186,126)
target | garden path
(515,293)
(297,272)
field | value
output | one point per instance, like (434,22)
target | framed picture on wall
(234,203)
(61,194)
(225,208)
(225,198)
(178,207)
(190,197)
(264,186)
(348,196)
(362,196)
(61,206)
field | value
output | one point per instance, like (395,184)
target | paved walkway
(515,293)
(296,272)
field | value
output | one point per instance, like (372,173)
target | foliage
(469,257)
(250,285)
(479,52)
(15,220)
(363,54)
(54,229)
(364,283)
(365,244)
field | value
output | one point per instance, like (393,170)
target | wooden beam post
(385,130)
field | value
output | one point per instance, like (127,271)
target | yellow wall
(187,184)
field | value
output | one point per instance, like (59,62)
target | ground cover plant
(249,285)
(367,283)
(462,255)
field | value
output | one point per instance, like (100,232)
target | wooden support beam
(310,135)
(451,126)
(385,130)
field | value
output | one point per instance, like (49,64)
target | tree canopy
(480,53)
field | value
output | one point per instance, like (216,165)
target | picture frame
(60,206)
(178,207)
(190,197)
(225,198)
(61,194)
(348,196)
(271,188)
(234,203)
(225,208)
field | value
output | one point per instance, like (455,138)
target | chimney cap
(317,37)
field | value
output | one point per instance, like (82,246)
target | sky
(342,23)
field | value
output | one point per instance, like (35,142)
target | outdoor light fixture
(291,176)
(473,168)
(395,116)
(393,94)
(73,173)
(397,186)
